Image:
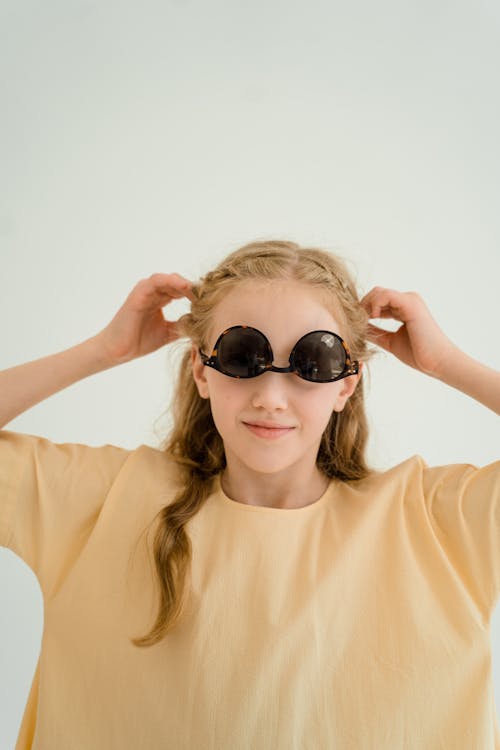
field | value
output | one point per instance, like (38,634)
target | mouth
(268,432)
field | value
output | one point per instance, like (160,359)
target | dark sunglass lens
(243,353)
(320,356)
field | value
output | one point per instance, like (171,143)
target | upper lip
(272,425)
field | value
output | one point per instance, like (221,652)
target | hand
(419,342)
(139,328)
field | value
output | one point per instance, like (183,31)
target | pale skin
(139,328)
(258,476)
(274,473)
(419,343)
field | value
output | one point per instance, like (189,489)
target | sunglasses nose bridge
(273,368)
(270,359)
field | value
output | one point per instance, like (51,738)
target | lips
(270,425)
(268,432)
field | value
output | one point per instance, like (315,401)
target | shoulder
(411,469)
(155,466)
(415,473)
(410,476)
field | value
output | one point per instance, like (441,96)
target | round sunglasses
(244,352)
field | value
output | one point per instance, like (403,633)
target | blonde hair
(194,443)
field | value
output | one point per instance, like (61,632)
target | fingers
(379,336)
(175,328)
(381,302)
(170,282)
(165,286)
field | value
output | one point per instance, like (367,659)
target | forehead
(283,310)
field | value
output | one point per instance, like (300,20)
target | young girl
(253,584)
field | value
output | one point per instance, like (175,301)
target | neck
(274,491)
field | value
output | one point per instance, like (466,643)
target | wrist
(453,365)
(97,354)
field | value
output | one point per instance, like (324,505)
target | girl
(253,584)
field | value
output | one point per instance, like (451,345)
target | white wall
(149,137)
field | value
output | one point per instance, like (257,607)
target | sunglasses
(244,352)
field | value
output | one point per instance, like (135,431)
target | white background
(157,137)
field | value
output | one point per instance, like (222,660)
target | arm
(138,328)
(472,378)
(23,386)
(421,344)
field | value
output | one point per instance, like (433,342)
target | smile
(269,432)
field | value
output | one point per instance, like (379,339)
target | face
(283,312)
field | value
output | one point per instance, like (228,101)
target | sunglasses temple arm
(204,357)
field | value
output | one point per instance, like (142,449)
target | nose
(269,390)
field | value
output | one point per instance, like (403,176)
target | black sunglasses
(244,352)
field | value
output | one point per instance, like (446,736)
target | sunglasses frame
(350,368)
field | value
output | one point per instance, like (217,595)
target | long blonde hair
(194,442)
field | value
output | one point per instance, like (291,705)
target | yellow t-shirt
(359,622)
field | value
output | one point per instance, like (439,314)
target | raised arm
(23,386)
(473,378)
(138,328)
(420,343)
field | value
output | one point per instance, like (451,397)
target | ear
(348,387)
(199,371)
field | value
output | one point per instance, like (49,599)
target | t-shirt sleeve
(51,495)
(463,503)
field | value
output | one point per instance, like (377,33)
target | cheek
(320,406)
(225,403)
